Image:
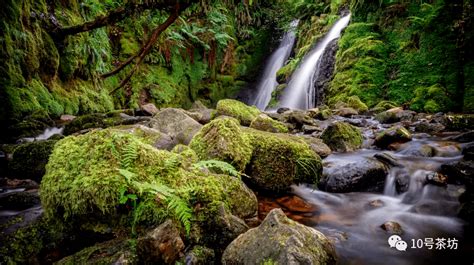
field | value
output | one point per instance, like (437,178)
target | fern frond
(129,155)
(219,167)
(181,211)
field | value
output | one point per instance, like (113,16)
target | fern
(217,167)
(129,156)
(181,211)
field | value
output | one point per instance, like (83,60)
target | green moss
(236,109)
(342,137)
(265,123)
(88,176)
(357,104)
(279,160)
(223,139)
(29,160)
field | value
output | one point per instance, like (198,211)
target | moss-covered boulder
(383,106)
(280,160)
(29,160)
(357,104)
(279,240)
(106,179)
(342,137)
(273,160)
(265,123)
(234,108)
(222,139)
(395,134)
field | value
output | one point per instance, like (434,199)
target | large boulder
(395,134)
(357,104)
(204,112)
(93,181)
(281,241)
(362,174)
(29,160)
(176,123)
(265,123)
(223,139)
(318,146)
(342,137)
(236,109)
(280,160)
(273,160)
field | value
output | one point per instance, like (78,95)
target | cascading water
(300,94)
(268,82)
(424,211)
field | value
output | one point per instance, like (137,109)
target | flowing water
(300,94)
(424,211)
(48,132)
(268,82)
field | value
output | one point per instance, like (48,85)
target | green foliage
(219,167)
(86,184)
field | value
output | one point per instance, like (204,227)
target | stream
(353,221)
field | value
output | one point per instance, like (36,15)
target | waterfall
(267,82)
(300,94)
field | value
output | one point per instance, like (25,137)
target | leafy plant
(218,167)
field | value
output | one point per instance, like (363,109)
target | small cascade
(267,82)
(300,94)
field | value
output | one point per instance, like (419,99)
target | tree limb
(147,47)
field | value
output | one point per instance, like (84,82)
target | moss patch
(265,123)
(234,108)
(342,137)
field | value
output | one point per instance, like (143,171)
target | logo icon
(395,241)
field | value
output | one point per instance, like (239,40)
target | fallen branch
(146,48)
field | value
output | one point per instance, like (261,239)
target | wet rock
(460,171)
(387,117)
(264,123)
(29,160)
(325,71)
(313,113)
(420,150)
(149,109)
(19,200)
(387,158)
(282,110)
(162,245)
(428,127)
(282,241)
(460,122)
(295,204)
(346,112)
(236,109)
(221,229)
(342,137)
(376,203)
(30,126)
(396,134)
(402,181)
(436,179)
(318,146)
(464,137)
(308,129)
(26,184)
(392,228)
(199,255)
(468,151)
(363,174)
(203,111)
(176,124)
(298,118)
